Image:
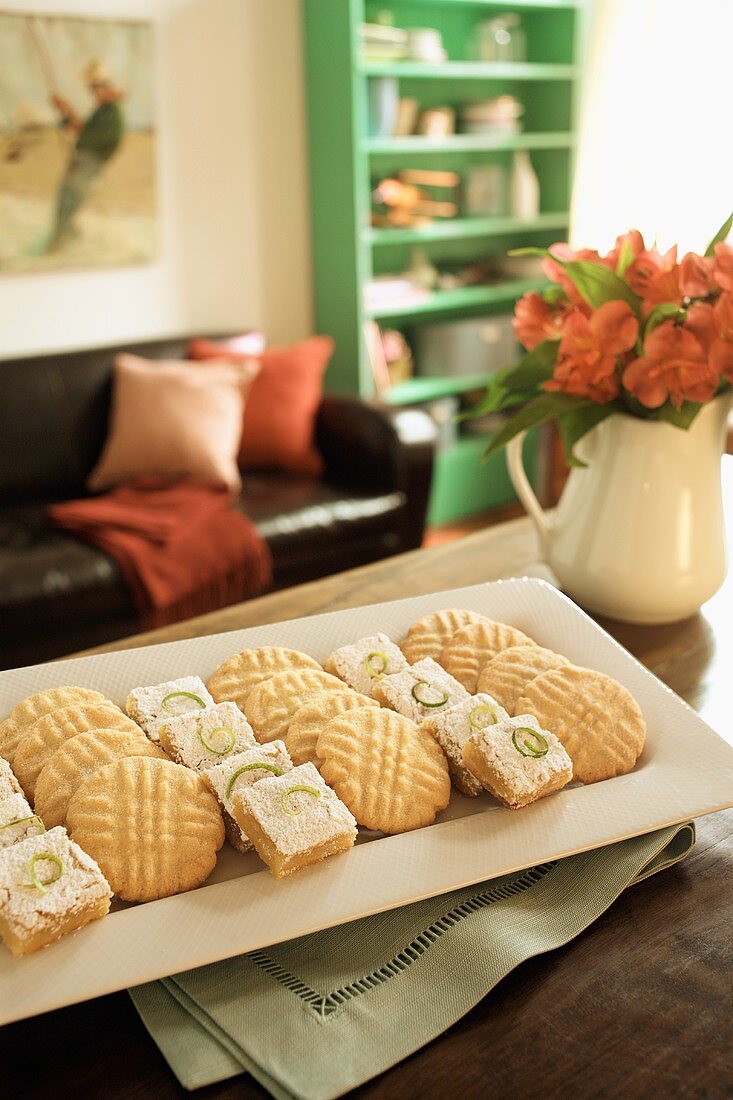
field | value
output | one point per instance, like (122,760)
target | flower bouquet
(635,332)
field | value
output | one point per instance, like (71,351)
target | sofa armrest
(375,447)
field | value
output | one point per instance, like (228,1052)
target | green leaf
(625,258)
(578,422)
(528,252)
(519,381)
(663,312)
(681,418)
(545,407)
(598,285)
(720,235)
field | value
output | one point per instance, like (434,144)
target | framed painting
(77,142)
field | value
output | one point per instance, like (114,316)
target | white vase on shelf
(525,188)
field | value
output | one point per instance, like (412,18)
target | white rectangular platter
(685,771)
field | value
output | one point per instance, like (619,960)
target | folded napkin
(319,1015)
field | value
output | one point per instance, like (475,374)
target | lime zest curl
(165,701)
(22,821)
(293,790)
(474,718)
(250,768)
(43,884)
(427,702)
(539,748)
(207,740)
(376,664)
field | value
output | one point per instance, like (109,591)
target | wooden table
(640,1005)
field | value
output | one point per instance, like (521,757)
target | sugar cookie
(316,711)
(240,674)
(272,704)
(468,650)
(507,674)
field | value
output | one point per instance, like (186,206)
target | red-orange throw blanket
(182,549)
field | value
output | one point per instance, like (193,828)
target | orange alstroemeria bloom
(655,278)
(535,320)
(556,272)
(631,241)
(723,266)
(586,363)
(674,365)
(696,275)
(712,326)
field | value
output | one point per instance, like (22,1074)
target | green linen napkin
(317,1016)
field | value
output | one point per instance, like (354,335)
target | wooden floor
(435,536)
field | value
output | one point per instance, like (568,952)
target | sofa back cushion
(54,411)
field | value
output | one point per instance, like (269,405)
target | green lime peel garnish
(293,790)
(22,821)
(476,715)
(250,768)
(43,884)
(426,702)
(207,740)
(539,748)
(181,695)
(376,664)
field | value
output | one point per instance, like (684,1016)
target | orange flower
(723,269)
(696,275)
(674,366)
(555,271)
(655,278)
(631,241)
(712,326)
(535,320)
(586,364)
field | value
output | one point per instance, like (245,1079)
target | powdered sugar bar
(294,820)
(239,771)
(517,761)
(452,726)
(364,663)
(147,704)
(48,887)
(420,690)
(17,820)
(203,738)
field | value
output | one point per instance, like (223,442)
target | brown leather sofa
(58,595)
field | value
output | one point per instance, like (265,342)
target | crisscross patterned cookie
(308,721)
(390,773)
(40,740)
(78,758)
(468,650)
(239,675)
(35,706)
(273,703)
(598,721)
(154,827)
(507,674)
(428,636)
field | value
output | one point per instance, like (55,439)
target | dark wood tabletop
(639,1005)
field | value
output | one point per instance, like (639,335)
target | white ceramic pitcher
(638,534)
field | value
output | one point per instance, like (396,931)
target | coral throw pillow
(280,414)
(171,419)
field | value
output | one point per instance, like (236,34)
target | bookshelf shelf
(470,70)
(470,143)
(464,229)
(467,297)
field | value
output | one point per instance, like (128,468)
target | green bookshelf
(346,158)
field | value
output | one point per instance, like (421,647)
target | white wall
(233,200)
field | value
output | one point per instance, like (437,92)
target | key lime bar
(203,738)
(48,887)
(364,663)
(146,705)
(17,820)
(452,727)
(239,771)
(420,690)
(517,761)
(294,820)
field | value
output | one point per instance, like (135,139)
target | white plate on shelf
(685,771)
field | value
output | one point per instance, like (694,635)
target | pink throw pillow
(171,419)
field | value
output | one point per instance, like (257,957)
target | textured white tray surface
(685,771)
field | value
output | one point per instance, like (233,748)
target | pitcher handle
(524,490)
